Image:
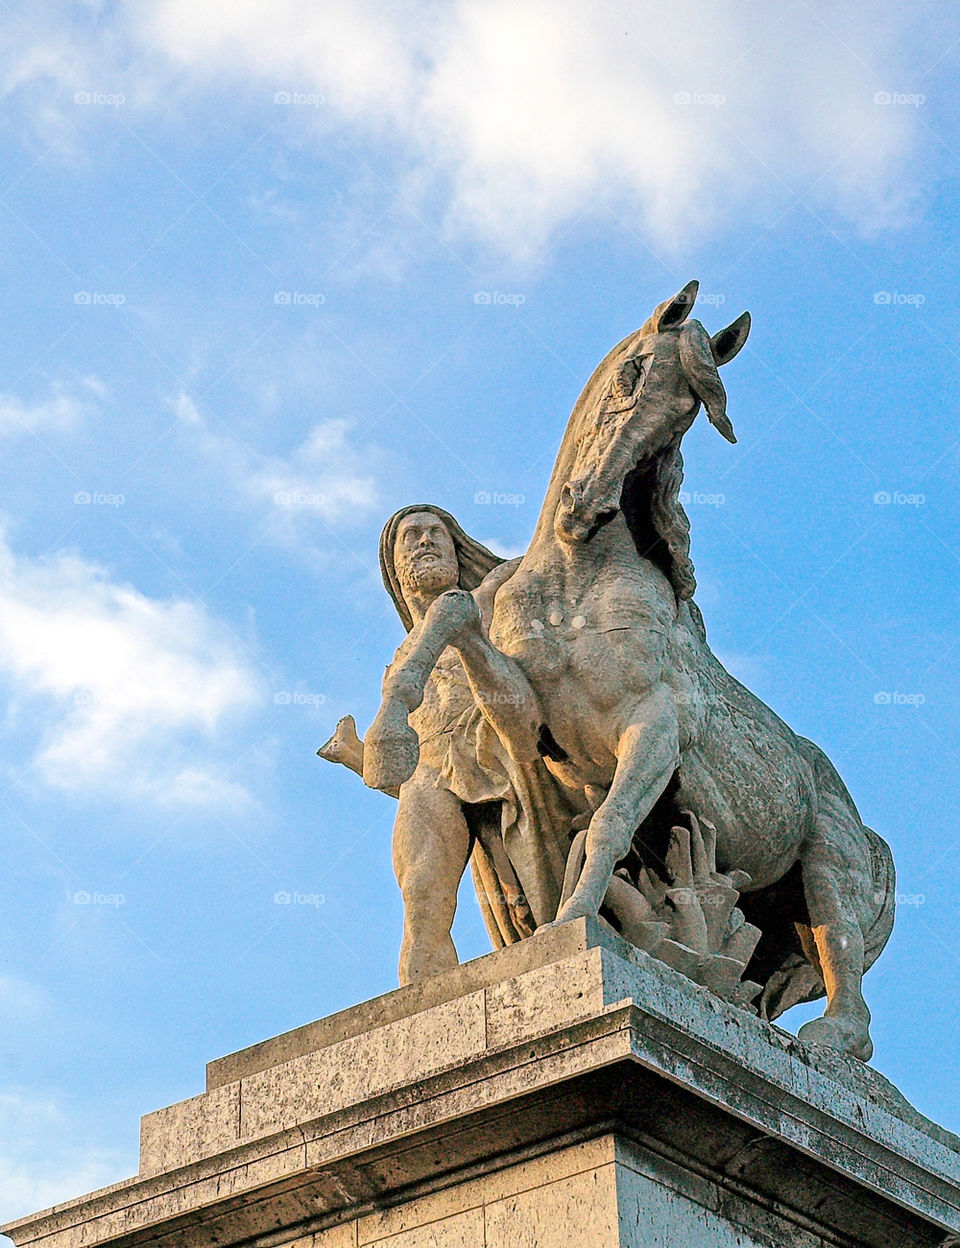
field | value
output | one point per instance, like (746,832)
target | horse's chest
(527,625)
(597,635)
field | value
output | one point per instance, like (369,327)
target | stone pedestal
(566,1091)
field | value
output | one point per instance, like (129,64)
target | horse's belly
(761,808)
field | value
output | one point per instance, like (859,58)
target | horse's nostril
(572,492)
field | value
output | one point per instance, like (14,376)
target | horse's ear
(728,342)
(674,312)
(696,359)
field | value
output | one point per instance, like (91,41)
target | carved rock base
(568,1090)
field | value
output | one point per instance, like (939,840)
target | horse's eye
(634,370)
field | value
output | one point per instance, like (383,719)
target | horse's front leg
(391,748)
(648,754)
(505,696)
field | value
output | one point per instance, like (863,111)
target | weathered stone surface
(543,999)
(562,719)
(546,1217)
(401,1003)
(353,1071)
(594,1091)
(202,1126)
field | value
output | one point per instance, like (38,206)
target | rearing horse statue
(597,661)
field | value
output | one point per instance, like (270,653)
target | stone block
(567,1091)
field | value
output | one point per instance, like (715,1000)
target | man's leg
(431,847)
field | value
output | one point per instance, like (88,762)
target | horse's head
(642,398)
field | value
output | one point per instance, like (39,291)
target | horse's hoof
(844,1035)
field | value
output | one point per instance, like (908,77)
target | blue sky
(242,247)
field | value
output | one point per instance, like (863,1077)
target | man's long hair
(474,560)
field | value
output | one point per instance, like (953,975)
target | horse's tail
(884,894)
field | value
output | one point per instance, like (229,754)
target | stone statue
(592,660)
(458,804)
(684,913)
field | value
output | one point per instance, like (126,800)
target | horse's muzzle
(577,513)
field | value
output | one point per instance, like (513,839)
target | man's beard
(430,575)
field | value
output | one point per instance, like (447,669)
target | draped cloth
(523,859)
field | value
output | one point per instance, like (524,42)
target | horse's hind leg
(836,878)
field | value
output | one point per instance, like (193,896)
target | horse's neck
(544,534)
(577,564)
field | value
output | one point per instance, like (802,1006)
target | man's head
(424,552)
(424,556)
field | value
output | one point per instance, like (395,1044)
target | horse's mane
(655,517)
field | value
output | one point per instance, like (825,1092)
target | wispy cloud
(522,114)
(509,120)
(324,473)
(122,694)
(42,1161)
(323,477)
(61,409)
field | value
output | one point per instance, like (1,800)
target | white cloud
(58,411)
(39,1166)
(324,474)
(324,477)
(508,120)
(685,116)
(126,694)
